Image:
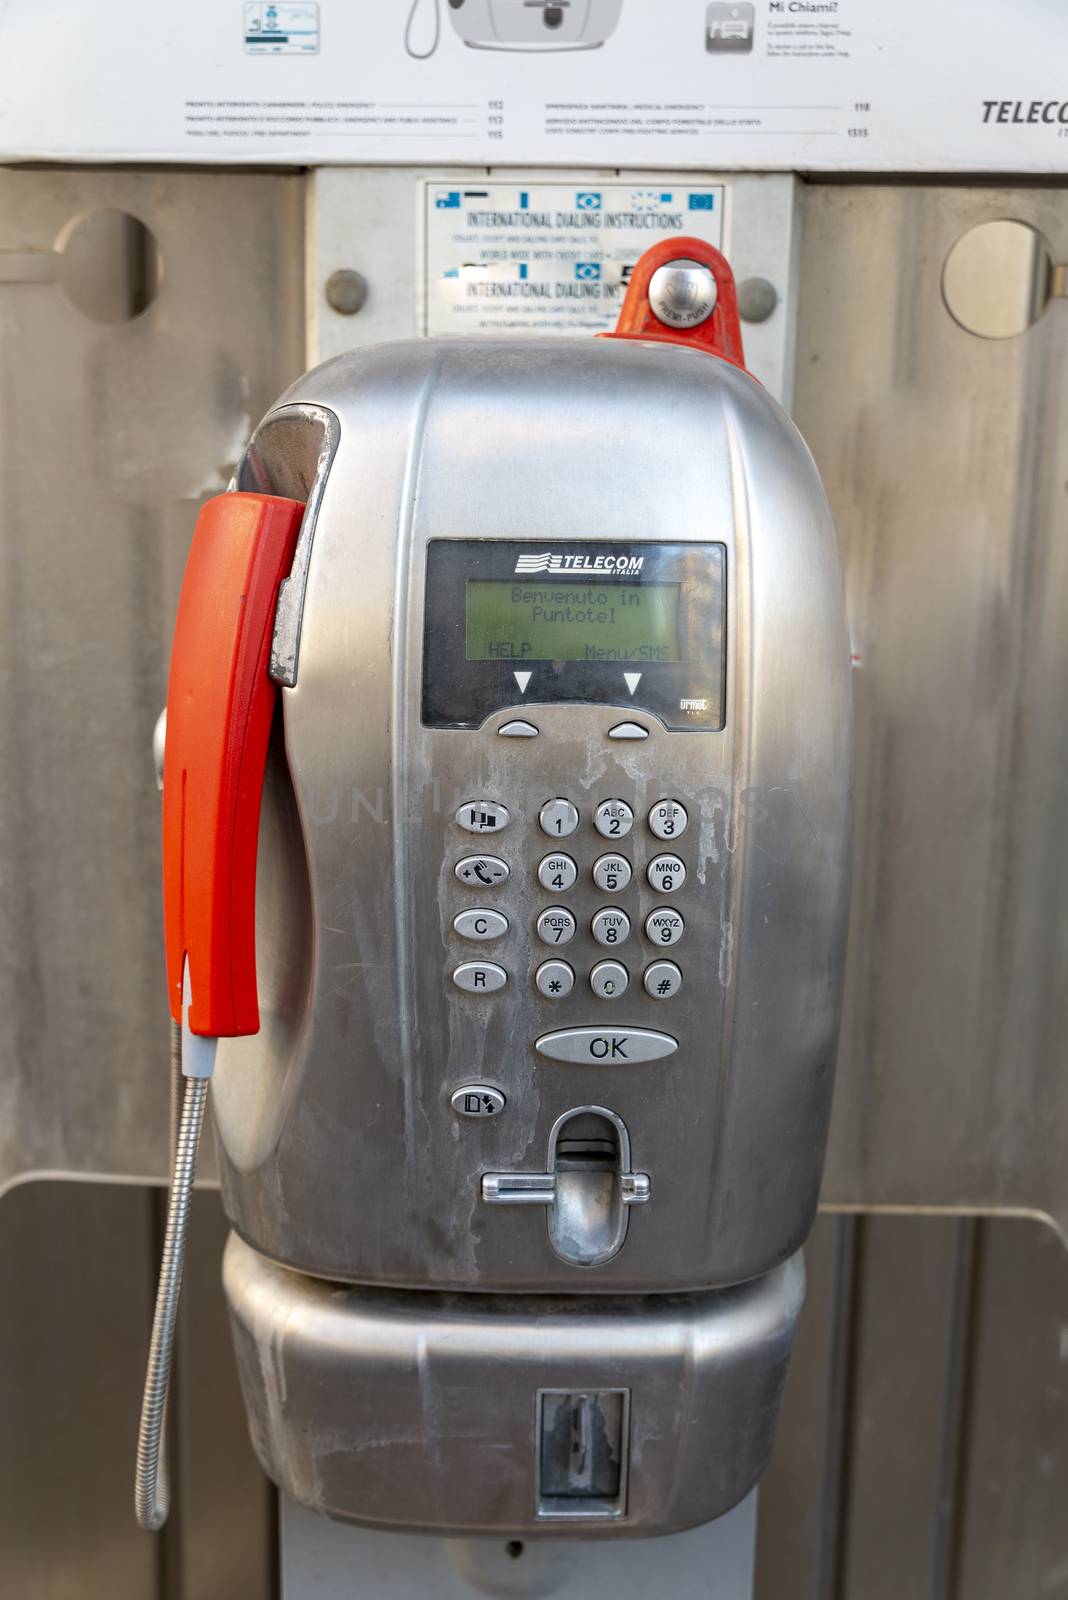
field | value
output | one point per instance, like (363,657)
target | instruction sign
(548,257)
(698,85)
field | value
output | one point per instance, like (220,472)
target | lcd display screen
(572,621)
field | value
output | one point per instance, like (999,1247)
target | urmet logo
(545,561)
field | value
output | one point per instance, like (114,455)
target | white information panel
(548,257)
(819,85)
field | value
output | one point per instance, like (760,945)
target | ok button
(605,1045)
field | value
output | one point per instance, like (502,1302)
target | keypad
(611,873)
(557,872)
(558,818)
(609,980)
(556,925)
(610,926)
(613,819)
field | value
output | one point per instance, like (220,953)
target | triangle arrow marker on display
(523,678)
(632,679)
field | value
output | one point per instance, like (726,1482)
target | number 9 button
(664,926)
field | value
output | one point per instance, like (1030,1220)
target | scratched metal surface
(945,458)
(110,434)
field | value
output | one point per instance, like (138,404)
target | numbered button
(558,818)
(479,977)
(611,873)
(610,926)
(662,979)
(609,979)
(613,819)
(482,816)
(554,979)
(482,872)
(668,819)
(556,926)
(666,873)
(557,872)
(664,926)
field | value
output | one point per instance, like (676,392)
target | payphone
(506,830)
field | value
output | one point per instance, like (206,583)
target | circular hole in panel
(111,265)
(997,279)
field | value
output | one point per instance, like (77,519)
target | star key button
(554,979)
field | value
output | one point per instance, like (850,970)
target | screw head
(757,299)
(682,293)
(346,291)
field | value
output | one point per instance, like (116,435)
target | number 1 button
(558,818)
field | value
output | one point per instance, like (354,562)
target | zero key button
(609,980)
(479,977)
(605,1044)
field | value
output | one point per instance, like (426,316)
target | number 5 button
(666,873)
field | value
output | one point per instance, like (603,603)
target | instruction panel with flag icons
(548,257)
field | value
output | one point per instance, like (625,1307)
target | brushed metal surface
(78,1267)
(341,1155)
(417,1411)
(922,1446)
(336,1561)
(110,433)
(945,457)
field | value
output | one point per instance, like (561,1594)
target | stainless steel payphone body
(551,903)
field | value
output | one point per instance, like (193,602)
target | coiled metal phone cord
(151,1488)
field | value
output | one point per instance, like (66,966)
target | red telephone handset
(220,702)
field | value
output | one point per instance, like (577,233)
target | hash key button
(662,979)
(605,1046)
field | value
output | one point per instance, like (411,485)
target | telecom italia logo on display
(547,562)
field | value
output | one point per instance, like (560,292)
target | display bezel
(685,695)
